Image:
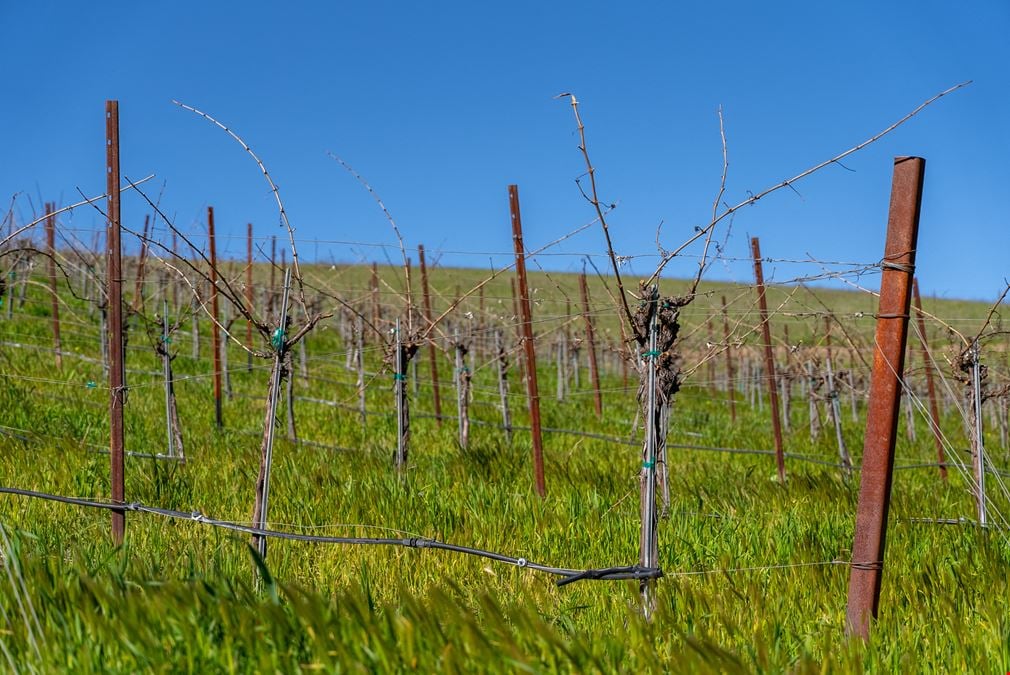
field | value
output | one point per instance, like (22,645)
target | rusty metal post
(898,266)
(117,369)
(51,249)
(773,390)
(927,364)
(214,326)
(249,293)
(730,372)
(531,357)
(594,370)
(432,356)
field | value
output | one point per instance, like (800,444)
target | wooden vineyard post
(773,394)
(835,404)
(51,250)
(649,543)
(249,294)
(927,363)
(360,362)
(375,295)
(786,383)
(730,373)
(898,267)
(138,288)
(503,385)
(519,326)
(273,275)
(215,328)
(432,356)
(594,369)
(977,439)
(527,326)
(402,411)
(223,348)
(462,392)
(172,426)
(289,396)
(117,369)
(280,345)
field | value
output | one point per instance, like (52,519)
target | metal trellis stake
(898,266)
(117,368)
(527,341)
(773,392)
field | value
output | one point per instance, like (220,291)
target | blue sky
(442,105)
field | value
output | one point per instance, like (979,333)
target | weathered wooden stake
(376,314)
(462,393)
(214,327)
(730,373)
(138,289)
(934,412)
(173,428)
(249,294)
(649,542)
(280,344)
(977,440)
(360,362)
(402,411)
(51,249)
(503,385)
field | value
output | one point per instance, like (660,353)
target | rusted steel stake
(898,267)
(730,372)
(51,248)
(927,364)
(432,356)
(214,326)
(117,369)
(773,391)
(594,370)
(531,357)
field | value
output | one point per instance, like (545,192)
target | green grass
(181,597)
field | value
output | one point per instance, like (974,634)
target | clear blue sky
(441,105)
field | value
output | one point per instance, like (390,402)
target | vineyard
(271,463)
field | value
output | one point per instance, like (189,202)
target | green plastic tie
(649,465)
(651,354)
(277,339)
(399,376)
(166,339)
(91,384)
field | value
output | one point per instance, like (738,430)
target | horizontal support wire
(567,575)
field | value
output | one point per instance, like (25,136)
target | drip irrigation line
(567,575)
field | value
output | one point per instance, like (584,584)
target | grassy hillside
(756,572)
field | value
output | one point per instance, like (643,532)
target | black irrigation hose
(568,575)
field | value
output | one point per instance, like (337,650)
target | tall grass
(738,595)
